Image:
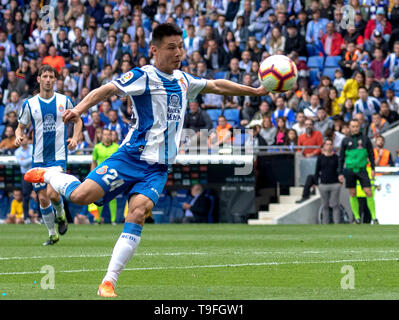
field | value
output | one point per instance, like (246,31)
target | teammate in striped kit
(159,94)
(50,144)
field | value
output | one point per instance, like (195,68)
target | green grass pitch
(220,261)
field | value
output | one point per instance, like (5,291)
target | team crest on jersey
(183,84)
(126,77)
(102,170)
(61,108)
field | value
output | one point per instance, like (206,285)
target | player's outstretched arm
(93,98)
(230,88)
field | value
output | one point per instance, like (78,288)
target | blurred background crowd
(347,68)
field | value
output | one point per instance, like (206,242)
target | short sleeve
(69,103)
(133,82)
(24,114)
(195,85)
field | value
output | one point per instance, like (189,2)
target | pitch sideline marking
(211,266)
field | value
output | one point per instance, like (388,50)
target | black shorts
(352,177)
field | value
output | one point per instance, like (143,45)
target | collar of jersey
(163,74)
(46,100)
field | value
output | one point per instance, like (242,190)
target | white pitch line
(196,253)
(104,255)
(210,266)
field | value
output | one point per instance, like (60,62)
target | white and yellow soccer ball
(278,73)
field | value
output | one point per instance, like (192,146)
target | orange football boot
(106,289)
(35,175)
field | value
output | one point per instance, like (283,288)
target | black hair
(165,30)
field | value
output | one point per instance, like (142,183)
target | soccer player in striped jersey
(159,94)
(50,144)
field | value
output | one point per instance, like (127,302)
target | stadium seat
(161,211)
(232,116)
(2,108)
(332,61)
(4,204)
(396,87)
(314,77)
(219,75)
(2,126)
(315,62)
(329,72)
(214,114)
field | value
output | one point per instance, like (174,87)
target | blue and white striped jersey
(49,131)
(159,102)
(368,107)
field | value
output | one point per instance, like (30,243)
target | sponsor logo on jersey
(174,108)
(49,123)
(102,170)
(126,77)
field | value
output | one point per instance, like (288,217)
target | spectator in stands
(310,138)
(7,144)
(332,41)
(86,58)
(353,35)
(366,105)
(363,123)
(323,122)
(276,43)
(299,126)
(116,125)
(391,64)
(281,134)
(245,62)
(264,111)
(283,111)
(378,43)
(379,23)
(393,101)
(222,135)
(215,56)
(378,125)
(23,156)
(316,28)
(382,157)
(347,110)
(390,115)
(268,131)
(377,94)
(14,104)
(234,73)
(350,90)
(197,119)
(198,209)
(335,136)
(339,80)
(294,41)
(16,215)
(350,59)
(87,79)
(311,110)
(370,82)
(292,139)
(16,84)
(54,60)
(11,120)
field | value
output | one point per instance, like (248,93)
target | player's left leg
(366,185)
(58,204)
(125,247)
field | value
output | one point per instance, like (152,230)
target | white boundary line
(210,266)
(199,253)
(103,255)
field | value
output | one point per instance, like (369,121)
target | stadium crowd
(346,71)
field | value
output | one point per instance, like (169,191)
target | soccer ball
(278,73)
